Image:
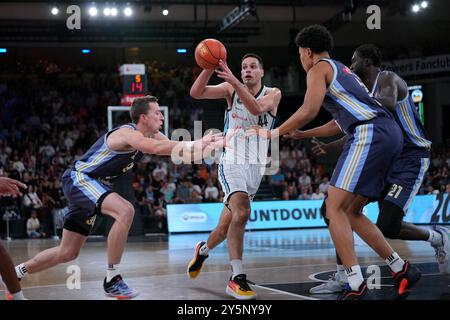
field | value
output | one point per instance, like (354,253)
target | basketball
(209,52)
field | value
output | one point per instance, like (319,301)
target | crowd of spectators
(48,121)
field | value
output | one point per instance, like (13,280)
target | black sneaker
(238,288)
(404,280)
(196,264)
(349,294)
(118,289)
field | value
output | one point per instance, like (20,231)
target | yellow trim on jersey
(86,185)
(360,146)
(403,107)
(102,155)
(356,107)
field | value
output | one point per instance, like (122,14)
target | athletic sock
(341,272)
(21,270)
(236,267)
(435,238)
(204,250)
(112,271)
(354,276)
(395,262)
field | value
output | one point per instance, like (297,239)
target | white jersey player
(241,167)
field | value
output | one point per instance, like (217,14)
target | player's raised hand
(319,147)
(11,187)
(225,73)
(296,135)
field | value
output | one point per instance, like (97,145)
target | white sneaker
(443,250)
(333,285)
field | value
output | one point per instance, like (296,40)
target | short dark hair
(139,106)
(253,55)
(315,37)
(371,52)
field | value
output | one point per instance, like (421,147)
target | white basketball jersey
(253,149)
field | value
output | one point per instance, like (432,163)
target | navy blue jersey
(408,119)
(348,99)
(101,162)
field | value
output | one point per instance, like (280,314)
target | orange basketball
(209,52)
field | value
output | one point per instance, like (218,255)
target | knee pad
(390,220)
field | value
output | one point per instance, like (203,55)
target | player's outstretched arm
(314,96)
(127,138)
(335,146)
(327,130)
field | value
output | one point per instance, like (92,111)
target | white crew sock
(112,271)
(21,271)
(354,276)
(236,267)
(395,262)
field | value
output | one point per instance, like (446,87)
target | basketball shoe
(196,264)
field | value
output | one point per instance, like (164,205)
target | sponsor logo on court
(194,217)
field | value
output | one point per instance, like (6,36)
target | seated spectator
(168,190)
(184,191)
(292,191)
(211,192)
(160,213)
(196,193)
(317,195)
(323,187)
(31,200)
(34,226)
(305,195)
(203,173)
(276,182)
(431,191)
(159,170)
(304,180)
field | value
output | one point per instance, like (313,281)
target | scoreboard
(134,82)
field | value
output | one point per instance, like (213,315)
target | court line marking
(286,292)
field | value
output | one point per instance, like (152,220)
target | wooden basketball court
(283,264)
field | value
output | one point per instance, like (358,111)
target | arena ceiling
(271,23)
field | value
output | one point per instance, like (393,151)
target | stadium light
(165,11)
(93,11)
(424,4)
(127,11)
(114,12)
(107,11)
(416,8)
(55,11)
